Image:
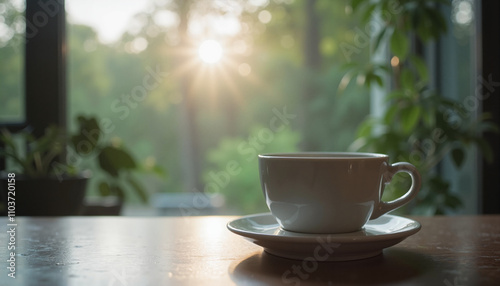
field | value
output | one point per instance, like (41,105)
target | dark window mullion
(45,64)
(489,68)
(45,68)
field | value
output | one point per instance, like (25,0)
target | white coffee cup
(330,192)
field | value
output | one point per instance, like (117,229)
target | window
(199,87)
(202,87)
(457,78)
(12,61)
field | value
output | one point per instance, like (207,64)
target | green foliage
(243,191)
(418,126)
(40,152)
(399,44)
(87,144)
(113,159)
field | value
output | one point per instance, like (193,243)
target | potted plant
(46,186)
(117,166)
(36,188)
(418,125)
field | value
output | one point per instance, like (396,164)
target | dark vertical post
(489,71)
(45,68)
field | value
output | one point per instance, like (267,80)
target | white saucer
(377,234)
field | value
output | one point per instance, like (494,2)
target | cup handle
(385,207)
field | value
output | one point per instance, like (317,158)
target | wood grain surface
(460,250)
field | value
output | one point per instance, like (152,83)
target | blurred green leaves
(112,160)
(400,45)
(117,163)
(418,125)
(35,160)
(86,146)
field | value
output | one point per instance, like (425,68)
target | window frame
(45,81)
(489,64)
(44,68)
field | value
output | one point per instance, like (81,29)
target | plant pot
(102,206)
(45,196)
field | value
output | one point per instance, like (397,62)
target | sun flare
(210,51)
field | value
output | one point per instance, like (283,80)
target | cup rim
(324,156)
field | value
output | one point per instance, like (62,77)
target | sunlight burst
(210,51)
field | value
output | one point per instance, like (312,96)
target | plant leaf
(365,129)
(112,160)
(118,191)
(399,45)
(429,117)
(356,3)
(367,14)
(379,38)
(104,189)
(395,95)
(458,156)
(421,68)
(438,21)
(390,114)
(452,201)
(410,117)
(138,189)
(87,138)
(407,80)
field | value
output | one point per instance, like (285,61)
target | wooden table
(92,251)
